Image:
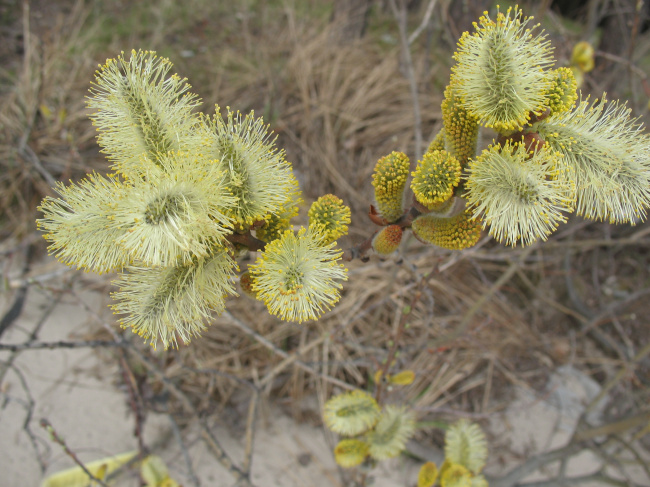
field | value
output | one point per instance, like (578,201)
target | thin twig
(18,283)
(633,37)
(619,375)
(613,428)
(535,463)
(186,455)
(618,59)
(580,480)
(135,401)
(249,437)
(18,347)
(215,448)
(221,373)
(45,424)
(16,307)
(643,463)
(29,407)
(401,327)
(425,20)
(289,360)
(32,336)
(28,154)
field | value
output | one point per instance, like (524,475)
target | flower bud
(387,240)
(455,233)
(435,178)
(562,94)
(389,180)
(329,217)
(460,126)
(583,56)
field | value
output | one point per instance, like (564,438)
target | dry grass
(336,108)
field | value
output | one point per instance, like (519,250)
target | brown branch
(29,408)
(16,307)
(425,20)
(135,401)
(249,437)
(18,347)
(246,239)
(360,251)
(597,477)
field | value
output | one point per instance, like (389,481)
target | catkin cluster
(554,152)
(188,195)
(372,433)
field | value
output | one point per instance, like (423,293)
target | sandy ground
(75,391)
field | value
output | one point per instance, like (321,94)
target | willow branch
(45,424)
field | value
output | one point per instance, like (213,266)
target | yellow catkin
(387,240)
(583,56)
(460,126)
(455,233)
(454,475)
(351,452)
(562,94)
(329,217)
(403,378)
(435,178)
(428,475)
(389,181)
(438,143)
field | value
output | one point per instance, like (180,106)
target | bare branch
(45,424)
(425,20)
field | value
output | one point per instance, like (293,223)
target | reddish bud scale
(533,141)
